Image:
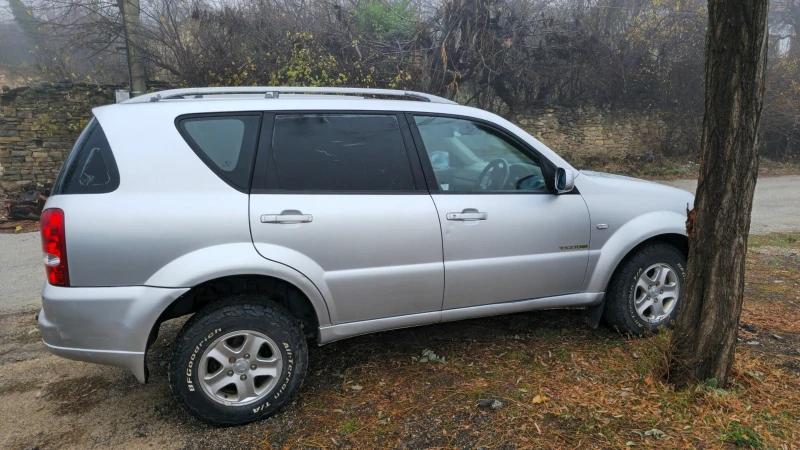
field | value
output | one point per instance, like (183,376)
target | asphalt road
(776,208)
(21,271)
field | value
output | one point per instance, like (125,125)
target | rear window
(226,143)
(340,152)
(90,168)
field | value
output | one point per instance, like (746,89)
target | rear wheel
(238,360)
(645,291)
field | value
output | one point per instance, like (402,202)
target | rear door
(337,197)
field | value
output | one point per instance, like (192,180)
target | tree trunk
(136,68)
(704,339)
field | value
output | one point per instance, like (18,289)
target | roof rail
(275,91)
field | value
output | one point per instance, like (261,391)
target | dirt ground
(560,384)
(8,225)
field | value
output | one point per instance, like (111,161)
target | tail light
(54,247)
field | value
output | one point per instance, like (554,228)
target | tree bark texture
(704,338)
(130,18)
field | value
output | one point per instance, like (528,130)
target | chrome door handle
(468,214)
(287,216)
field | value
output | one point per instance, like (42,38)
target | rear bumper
(103,325)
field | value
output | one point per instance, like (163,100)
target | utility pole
(133,44)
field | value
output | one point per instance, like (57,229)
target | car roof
(244,99)
(274,92)
(166,106)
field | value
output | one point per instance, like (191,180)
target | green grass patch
(348,426)
(742,436)
(782,240)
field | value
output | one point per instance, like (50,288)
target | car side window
(469,156)
(226,143)
(340,152)
(90,167)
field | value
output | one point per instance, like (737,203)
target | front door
(335,197)
(506,235)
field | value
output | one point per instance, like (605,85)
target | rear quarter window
(226,143)
(90,167)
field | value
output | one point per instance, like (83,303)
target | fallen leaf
(656,433)
(19,228)
(356,387)
(755,374)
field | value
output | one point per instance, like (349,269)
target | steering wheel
(532,182)
(494,176)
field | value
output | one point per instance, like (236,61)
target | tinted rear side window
(340,152)
(226,143)
(90,168)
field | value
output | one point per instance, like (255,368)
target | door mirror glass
(565,180)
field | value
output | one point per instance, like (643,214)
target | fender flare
(604,261)
(199,266)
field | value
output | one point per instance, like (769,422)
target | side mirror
(565,181)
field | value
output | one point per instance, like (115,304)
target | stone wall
(39,124)
(584,131)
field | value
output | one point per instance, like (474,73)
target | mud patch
(20,339)
(76,395)
(52,440)
(14,386)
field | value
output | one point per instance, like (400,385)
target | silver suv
(279,215)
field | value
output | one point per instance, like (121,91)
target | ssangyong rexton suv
(278,215)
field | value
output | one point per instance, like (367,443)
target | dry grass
(572,388)
(563,385)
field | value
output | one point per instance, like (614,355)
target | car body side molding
(338,332)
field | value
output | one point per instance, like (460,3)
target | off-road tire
(238,312)
(620,313)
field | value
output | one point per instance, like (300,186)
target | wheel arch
(283,292)
(661,226)
(679,241)
(593,314)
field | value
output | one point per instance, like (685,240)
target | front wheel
(238,360)
(645,291)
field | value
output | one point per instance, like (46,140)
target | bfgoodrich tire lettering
(226,317)
(621,297)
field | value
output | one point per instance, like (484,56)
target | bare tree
(506,56)
(704,339)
